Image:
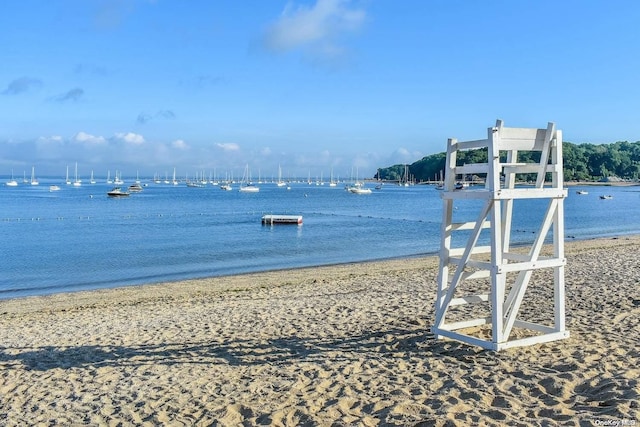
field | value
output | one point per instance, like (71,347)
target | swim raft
(281,219)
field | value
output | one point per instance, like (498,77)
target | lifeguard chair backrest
(522,139)
(513,140)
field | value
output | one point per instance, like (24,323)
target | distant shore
(603,184)
(345,344)
(572,183)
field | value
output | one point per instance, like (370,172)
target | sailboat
(440,184)
(67,178)
(12,182)
(358,187)
(92,181)
(109,181)
(118,179)
(332,183)
(245,185)
(77,182)
(174,182)
(280,182)
(34,181)
(404,182)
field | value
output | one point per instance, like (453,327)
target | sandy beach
(338,345)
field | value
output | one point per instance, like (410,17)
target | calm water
(78,238)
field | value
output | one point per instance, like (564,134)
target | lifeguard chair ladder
(493,264)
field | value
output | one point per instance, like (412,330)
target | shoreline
(569,239)
(346,344)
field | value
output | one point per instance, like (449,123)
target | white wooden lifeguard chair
(504,271)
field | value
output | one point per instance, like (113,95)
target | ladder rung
(469,299)
(530,193)
(533,265)
(482,265)
(512,256)
(473,275)
(467,145)
(467,225)
(472,168)
(456,252)
(526,168)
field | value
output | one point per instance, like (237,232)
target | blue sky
(142,85)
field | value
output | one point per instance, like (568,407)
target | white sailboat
(92,181)
(34,181)
(213,179)
(12,182)
(440,184)
(358,187)
(109,181)
(77,182)
(280,182)
(66,180)
(245,185)
(175,181)
(404,182)
(118,179)
(332,183)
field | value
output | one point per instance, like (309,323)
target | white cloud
(316,29)
(130,138)
(228,146)
(85,138)
(402,155)
(179,144)
(54,139)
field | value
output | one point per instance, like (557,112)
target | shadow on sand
(405,343)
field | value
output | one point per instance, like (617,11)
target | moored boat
(249,188)
(77,182)
(359,188)
(34,181)
(12,182)
(135,188)
(246,186)
(117,192)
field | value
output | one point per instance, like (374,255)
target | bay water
(79,239)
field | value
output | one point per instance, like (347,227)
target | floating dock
(281,219)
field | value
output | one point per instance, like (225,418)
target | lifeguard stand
(491,265)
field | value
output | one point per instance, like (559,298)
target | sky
(145,86)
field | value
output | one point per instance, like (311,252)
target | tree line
(582,162)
